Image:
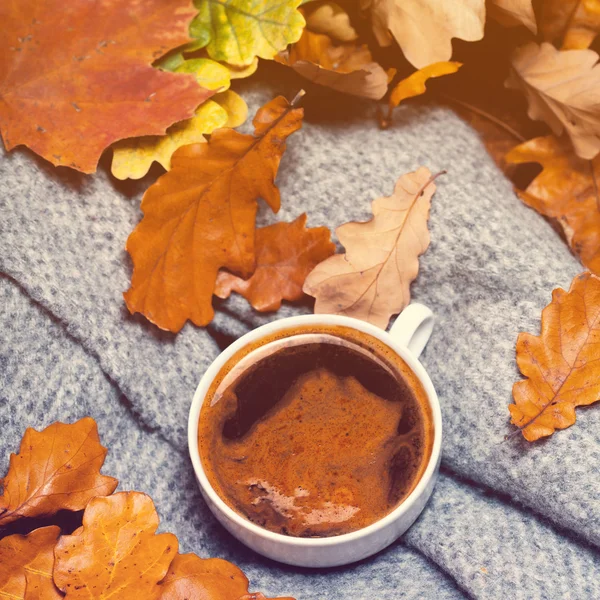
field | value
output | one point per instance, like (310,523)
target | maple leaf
(347,68)
(332,20)
(424,30)
(414,85)
(285,254)
(237,31)
(116,553)
(566,190)
(74,81)
(206,578)
(513,12)
(563,89)
(199,217)
(57,468)
(561,364)
(26,563)
(574,22)
(372,280)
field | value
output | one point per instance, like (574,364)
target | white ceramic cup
(407,338)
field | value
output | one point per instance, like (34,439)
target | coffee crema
(315,431)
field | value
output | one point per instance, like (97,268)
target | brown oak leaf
(331,19)
(513,12)
(193,578)
(563,89)
(575,23)
(348,68)
(372,280)
(57,468)
(566,190)
(74,81)
(116,553)
(285,254)
(562,364)
(200,216)
(26,563)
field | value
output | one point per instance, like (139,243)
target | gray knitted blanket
(507,519)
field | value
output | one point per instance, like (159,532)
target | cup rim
(316,542)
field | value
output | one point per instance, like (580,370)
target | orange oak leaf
(57,468)
(26,563)
(74,81)
(372,280)
(200,216)
(562,365)
(191,577)
(566,190)
(116,553)
(347,68)
(285,254)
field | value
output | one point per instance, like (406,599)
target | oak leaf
(26,563)
(372,280)
(347,68)
(414,85)
(563,89)
(199,217)
(191,577)
(74,81)
(575,23)
(424,30)
(237,31)
(562,363)
(116,553)
(57,468)
(285,254)
(566,190)
(513,12)
(332,20)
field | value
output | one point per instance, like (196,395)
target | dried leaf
(562,364)
(424,30)
(239,31)
(116,553)
(513,12)
(563,89)
(191,578)
(69,89)
(414,85)
(209,195)
(57,468)
(26,563)
(285,254)
(372,280)
(574,22)
(566,190)
(332,20)
(347,68)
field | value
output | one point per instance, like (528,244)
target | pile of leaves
(113,551)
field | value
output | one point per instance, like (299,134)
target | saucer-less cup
(407,338)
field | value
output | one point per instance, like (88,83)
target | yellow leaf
(240,30)
(234,105)
(575,22)
(236,72)
(332,20)
(210,74)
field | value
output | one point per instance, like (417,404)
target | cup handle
(413,328)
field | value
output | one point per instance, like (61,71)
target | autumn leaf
(372,280)
(26,563)
(191,577)
(347,68)
(238,30)
(414,85)
(561,364)
(57,468)
(199,217)
(332,20)
(285,254)
(116,553)
(513,12)
(74,81)
(563,89)
(424,30)
(575,23)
